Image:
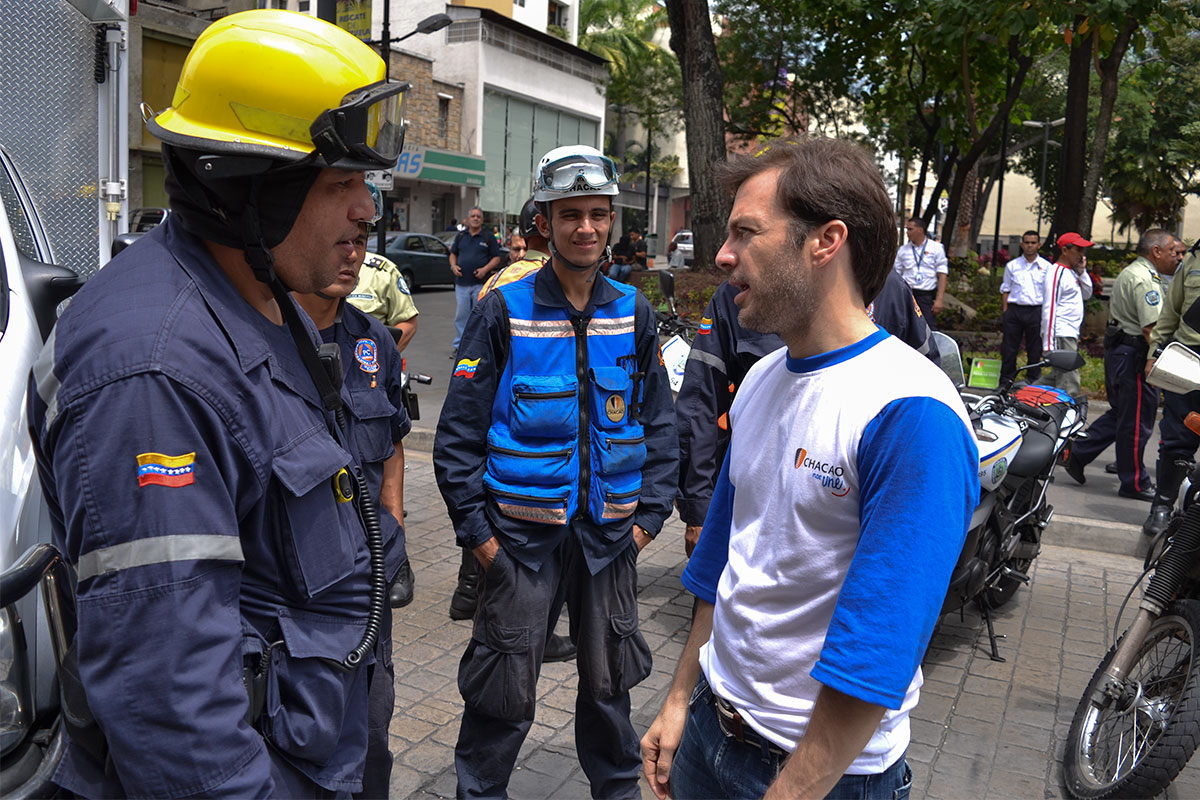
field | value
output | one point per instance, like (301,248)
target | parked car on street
(35,627)
(422,259)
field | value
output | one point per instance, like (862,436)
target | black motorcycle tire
(1088,767)
(1006,588)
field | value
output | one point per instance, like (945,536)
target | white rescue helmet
(572,171)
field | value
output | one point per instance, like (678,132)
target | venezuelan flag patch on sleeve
(156,469)
(705,326)
(466,368)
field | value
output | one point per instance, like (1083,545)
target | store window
(516,133)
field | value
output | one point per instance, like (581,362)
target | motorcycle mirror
(666,283)
(1065,360)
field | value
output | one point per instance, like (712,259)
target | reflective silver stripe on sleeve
(703,356)
(924,348)
(159,550)
(47,382)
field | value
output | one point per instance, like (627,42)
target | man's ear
(543,225)
(827,241)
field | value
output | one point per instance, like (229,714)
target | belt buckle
(729,719)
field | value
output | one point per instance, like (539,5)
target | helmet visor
(579,172)
(367,126)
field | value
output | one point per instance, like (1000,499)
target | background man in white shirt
(1021,298)
(922,264)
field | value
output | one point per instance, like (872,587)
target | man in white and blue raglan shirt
(838,515)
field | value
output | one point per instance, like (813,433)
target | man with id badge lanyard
(923,266)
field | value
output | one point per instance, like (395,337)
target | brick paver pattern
(983,729)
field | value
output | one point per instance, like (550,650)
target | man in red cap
(1132,314)
(1066,285)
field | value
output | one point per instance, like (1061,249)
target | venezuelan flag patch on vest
(466,368)
(161,470)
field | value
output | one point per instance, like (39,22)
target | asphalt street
(982,729)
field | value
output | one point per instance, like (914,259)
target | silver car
(35,626)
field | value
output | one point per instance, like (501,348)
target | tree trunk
(1108,67)
(960,240)
(966,164)
(704,117)
(1068,210)
(981,201)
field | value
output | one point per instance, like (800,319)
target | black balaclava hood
(241,202)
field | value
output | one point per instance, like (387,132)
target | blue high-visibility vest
(564,428)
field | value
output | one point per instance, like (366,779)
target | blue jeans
(620,272)
(465,297)
(710,764)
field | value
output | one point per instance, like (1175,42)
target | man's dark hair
(1155,237)
(1032,233)
(823,180)
(920,223)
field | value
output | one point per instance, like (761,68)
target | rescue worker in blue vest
(721,355)
(373,371)
(556,456)
(196,457)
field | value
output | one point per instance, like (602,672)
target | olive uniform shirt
(1136,298)
(382,292)
(1184,290)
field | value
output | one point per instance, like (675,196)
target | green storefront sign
(444,166)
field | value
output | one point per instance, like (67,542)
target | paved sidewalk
(983,729)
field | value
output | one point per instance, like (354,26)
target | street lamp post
(430,24)
(1045,127)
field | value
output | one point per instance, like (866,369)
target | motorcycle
(1138,721)
(1022,433)
(407,396)
(678,331)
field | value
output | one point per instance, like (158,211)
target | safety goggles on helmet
(579,172)
(367,126)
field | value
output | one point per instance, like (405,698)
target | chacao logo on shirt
(831,476)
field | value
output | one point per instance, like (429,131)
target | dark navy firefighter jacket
(590,402)
(373,370)
(189,469)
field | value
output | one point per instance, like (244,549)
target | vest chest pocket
(611,396)
(544,406)
(545,464)
(314,536)
(373,422)
(614,453)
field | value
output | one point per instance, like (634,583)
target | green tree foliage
(1153,160)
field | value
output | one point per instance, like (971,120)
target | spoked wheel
(1135,745)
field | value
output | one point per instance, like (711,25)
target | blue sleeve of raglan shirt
(916,497)
(708,560)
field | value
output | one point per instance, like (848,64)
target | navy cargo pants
(1128,422)
(498,674)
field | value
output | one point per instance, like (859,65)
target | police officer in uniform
(199,464)
(1133,312)
(555,454)
(721,355)
(923,265)
(383,293)
(1177,443)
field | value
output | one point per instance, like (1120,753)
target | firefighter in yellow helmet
(203,466)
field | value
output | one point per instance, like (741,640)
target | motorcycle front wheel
(1135,746)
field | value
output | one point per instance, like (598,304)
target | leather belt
(733,726)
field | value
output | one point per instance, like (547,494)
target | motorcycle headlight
(15,702)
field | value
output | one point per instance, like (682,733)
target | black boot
(466,596)
(1170,475)
(401,592)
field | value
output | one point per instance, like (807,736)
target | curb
(1104,536)
(419,439)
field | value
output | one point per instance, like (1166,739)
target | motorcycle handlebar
(417,377)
